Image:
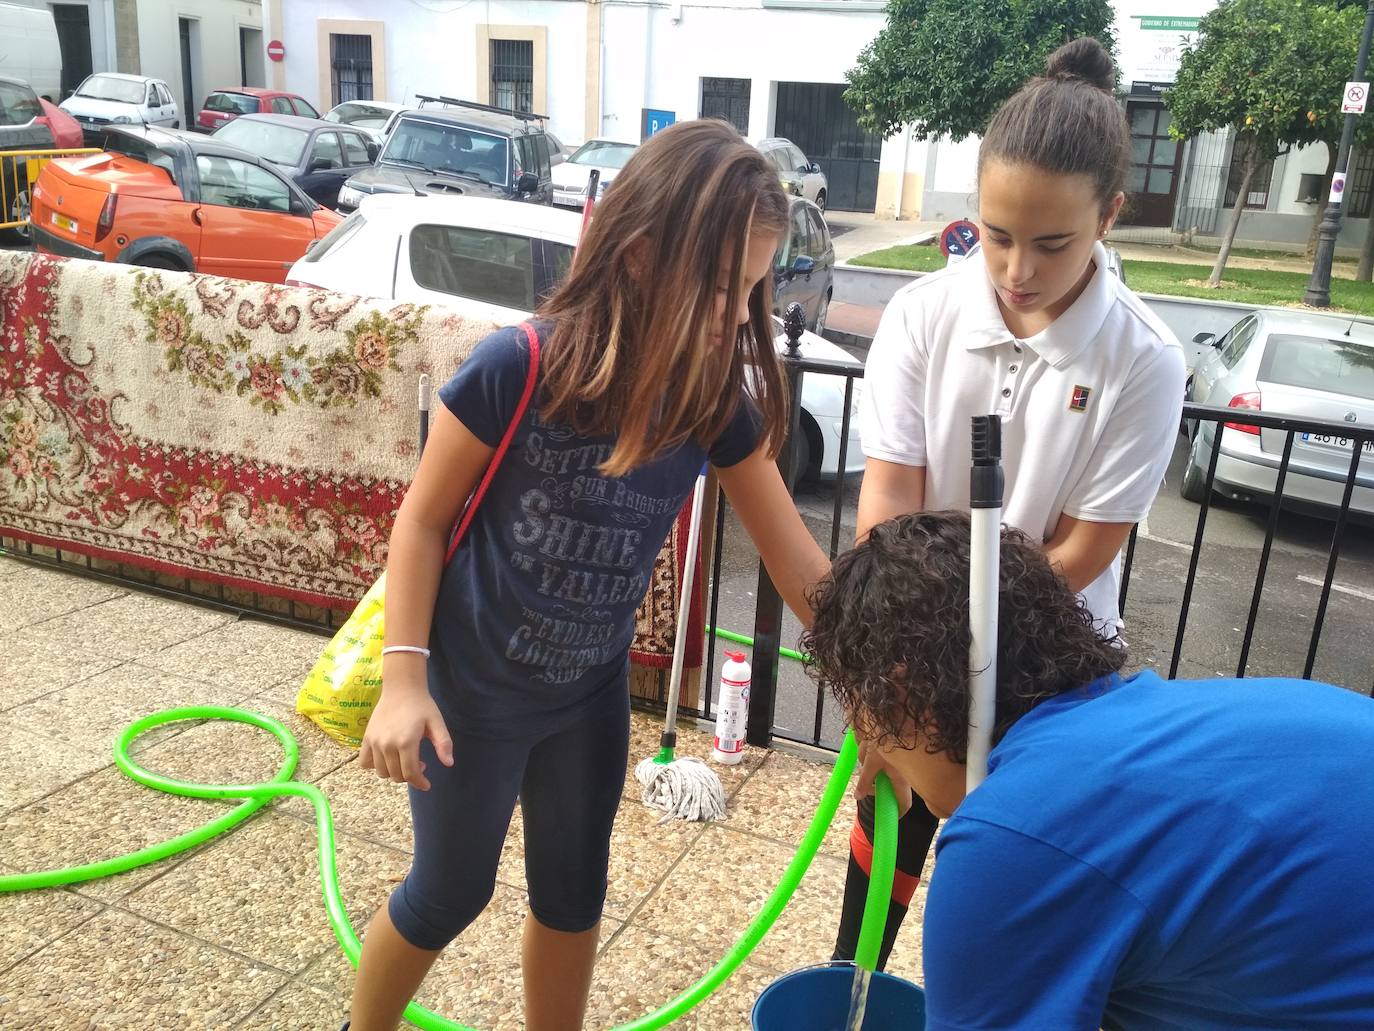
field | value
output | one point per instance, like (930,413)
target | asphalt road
(1228,568)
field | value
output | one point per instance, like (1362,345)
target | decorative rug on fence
(246,434)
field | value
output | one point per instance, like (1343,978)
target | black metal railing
(1217,450)
(763,727)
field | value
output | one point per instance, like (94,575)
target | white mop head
(685,789)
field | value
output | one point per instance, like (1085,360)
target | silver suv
(800,175)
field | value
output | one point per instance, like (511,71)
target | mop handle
(985,540)
(684,601)
(424,411)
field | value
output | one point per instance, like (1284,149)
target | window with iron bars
(512,74)
(1258,194)
(1360,184)
(350,67)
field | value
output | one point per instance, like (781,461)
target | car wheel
(1194,484)
(820,200)
(822,313)
(20,211)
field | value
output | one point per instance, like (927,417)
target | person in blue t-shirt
(1143,853)
(505,673)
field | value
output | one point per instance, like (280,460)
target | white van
(29,50)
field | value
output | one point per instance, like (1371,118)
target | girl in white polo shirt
(1089,383)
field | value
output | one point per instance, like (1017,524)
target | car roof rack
(526,116)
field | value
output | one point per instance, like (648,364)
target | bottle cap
(735,656)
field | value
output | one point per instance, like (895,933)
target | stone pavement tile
(256,654)
(722,883)
(35,594)
(102,817)
(295,1007)
(222,752)
(92,714)
(32,666)
(256,891)
(372,808)
(780,800)
(32,766)
(10,566)
(642,851)
(31,919)
(119,973)
(643,969)
(475,977)
(132,626)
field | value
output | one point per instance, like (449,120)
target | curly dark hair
(891,633)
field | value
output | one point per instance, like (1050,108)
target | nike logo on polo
(1078,400)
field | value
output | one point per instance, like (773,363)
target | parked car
(800,175)
(113,98)
(475,150)
(372,116)
(29,49)
(21,128)
(224,105)
(570,178)
(804,266)
(1288,363)
(558,153)
(317,155)
(493,260)
(176,200)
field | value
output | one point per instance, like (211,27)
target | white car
(374,117)
(113,98)
(570,178)
(495,260)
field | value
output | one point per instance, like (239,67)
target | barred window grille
(350,67)
(727,99)
(1258,194)
(1360,188)
(512,74)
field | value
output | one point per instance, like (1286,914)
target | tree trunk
(1252,161)
(1311,251)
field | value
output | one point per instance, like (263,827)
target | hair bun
(1086,59)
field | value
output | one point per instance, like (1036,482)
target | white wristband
(405,648)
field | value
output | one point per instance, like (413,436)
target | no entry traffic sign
(275,50)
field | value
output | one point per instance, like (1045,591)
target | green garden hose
(748,642)
(281,785)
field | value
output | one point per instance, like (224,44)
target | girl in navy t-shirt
(657,354)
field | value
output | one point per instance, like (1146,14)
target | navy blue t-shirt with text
(535,614)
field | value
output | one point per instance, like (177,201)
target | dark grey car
(318,156)
(804,265)
(20,129)
(469,149)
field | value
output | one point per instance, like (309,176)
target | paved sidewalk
(234,934)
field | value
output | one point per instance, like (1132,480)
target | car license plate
(1340,443)
(63,222)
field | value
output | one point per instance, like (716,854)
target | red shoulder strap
(530,379)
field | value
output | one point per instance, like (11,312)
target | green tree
(1273,72)
(945,66)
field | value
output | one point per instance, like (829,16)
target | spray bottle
(731,710)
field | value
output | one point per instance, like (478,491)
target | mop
(685,789)
(985,549)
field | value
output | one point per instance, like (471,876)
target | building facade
(194,45)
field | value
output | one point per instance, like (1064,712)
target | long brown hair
(629,353)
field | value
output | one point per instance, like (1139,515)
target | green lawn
(1244,286)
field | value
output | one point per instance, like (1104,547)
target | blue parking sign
(651,121)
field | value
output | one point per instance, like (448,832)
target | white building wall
(214,38)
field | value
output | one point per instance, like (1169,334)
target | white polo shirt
(1090,406)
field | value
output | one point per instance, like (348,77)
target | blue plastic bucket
(817,999)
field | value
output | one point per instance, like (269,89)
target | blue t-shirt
(1163,854)
(535,614)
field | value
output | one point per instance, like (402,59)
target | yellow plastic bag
(342,689)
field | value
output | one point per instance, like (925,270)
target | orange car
(167,199)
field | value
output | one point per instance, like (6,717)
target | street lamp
(1318,293)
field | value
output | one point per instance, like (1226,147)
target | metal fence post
(763,692)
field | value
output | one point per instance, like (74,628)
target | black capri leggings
(569,783)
